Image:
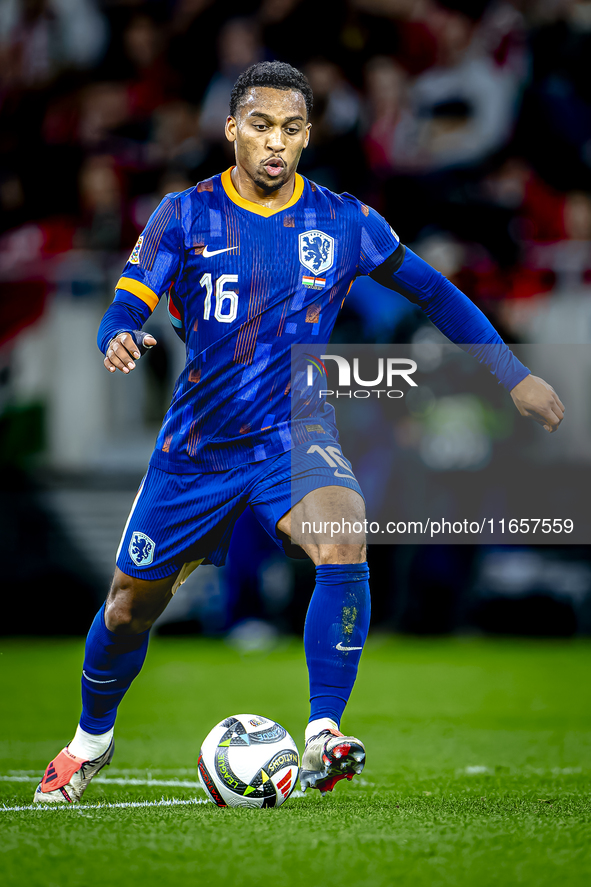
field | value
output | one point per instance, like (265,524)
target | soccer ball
(248,761)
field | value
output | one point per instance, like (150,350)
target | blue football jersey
(244,283)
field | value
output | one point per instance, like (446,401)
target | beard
(270,186)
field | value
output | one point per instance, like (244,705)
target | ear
(308,128)
(231,128)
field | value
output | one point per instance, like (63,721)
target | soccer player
(251,262)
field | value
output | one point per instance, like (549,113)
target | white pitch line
(169,772)
(164,802)
(25,776)
(117,780)
(19,778)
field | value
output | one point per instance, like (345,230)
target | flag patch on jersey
(135,253)
(316,283)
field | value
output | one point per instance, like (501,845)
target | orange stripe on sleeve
(138,289)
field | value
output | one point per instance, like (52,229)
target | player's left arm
(463,323)
(393,265)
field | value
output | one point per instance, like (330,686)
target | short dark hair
(275,75)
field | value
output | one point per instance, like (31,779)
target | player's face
(270,131)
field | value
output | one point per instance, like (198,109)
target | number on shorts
(333,458)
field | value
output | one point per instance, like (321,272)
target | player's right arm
(150,270)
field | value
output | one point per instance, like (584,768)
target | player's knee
(121,617)
(124,613)
(352,552)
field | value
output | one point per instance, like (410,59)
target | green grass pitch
(479,758)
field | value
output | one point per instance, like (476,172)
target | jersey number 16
(221,313)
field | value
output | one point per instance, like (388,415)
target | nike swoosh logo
(207,254)
(340,474)
(346,649)
(92,680)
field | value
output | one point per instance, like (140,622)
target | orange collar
(228,186)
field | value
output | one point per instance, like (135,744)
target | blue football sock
(111,662)
(336,628)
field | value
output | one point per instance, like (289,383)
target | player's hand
(123,352)
(534,397)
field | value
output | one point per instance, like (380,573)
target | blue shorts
(179,518)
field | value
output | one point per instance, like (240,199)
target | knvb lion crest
(141,549)
(316,251)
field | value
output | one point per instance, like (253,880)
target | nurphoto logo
(389,371)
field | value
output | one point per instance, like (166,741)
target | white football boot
(329,757)
(66,777)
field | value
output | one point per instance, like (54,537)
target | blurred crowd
(467,123)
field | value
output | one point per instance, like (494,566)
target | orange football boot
(66,777)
